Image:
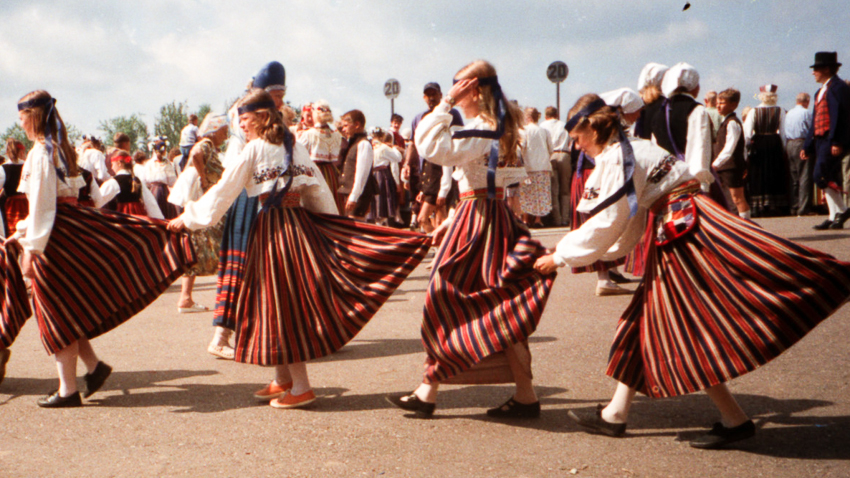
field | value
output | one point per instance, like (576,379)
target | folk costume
(131,196)
(161,176)
(86,282)
(13,202)
(357,184)
(312,279)
(535,192)
(324,145)
(484,296)
(768,172)
(720,296)
(385,205)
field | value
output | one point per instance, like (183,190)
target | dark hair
(355,116)
(40,120)
(120,138)
(140,157)
(730,95)
(396,117)
(551,112)
(272,129)
(15,150)
(603,121)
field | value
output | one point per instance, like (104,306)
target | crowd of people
(648,179)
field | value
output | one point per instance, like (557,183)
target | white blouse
(257,170)
(611,234)
(469,156)
(160,172)
(385,155)
(362,169)
(110,189)
(42,187)
(536,149)
(94,162)
(323,144)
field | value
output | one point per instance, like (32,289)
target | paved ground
(170,409)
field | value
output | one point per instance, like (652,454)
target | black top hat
(826,58)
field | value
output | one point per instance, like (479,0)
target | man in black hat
(828,142)
(430,196)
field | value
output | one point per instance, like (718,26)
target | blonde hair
(768,98)
(488,110)
(40,119)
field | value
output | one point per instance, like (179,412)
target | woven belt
(685,189)
(481,194)
(67,200)
(289,199)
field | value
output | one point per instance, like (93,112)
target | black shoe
(618,278)
(54,400)
(411,403)
(823,226)
(4,359)
(93,381)
(592,420)
(514,409)
(840,219)
(720,436)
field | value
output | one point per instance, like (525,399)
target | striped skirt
(160,193)
(132,208)
(484,295)
(232,256)
(719,302)
(15,306)
(16,209)
(312,282)
(331,174)
(385,204)
(99,269)
(579,178)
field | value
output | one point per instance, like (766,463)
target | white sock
(618,410)
(744,215)
(834,202)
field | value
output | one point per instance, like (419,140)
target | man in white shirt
(561,166)
(356,183)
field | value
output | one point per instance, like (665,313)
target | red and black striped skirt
(14,304)
(132,208)
(719,302)
(313,281)
(99,269)
(16,209)
(579,178)
(484,295)
(331,174)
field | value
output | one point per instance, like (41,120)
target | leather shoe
(514,409)
(592,420)
(720,436)
(823,226)
(93,381)
(411,403)
(612,289)
(54,400)
(4,359)
(618,278)
(840,219)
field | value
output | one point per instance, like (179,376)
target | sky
(103,59)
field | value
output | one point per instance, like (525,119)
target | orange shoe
(272,390)
(294,401)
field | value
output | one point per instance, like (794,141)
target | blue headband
(588,110)
(35,103)
(260,105)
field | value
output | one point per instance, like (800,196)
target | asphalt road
(171,409)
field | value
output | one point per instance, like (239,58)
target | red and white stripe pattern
(313,281)
(719,302)
(484,294)
(99,269)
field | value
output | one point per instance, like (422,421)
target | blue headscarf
(54,130)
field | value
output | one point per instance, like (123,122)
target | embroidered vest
(821,117)
(349,166)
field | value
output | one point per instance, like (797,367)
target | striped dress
(14,304)
(484,296)
(312,280)
(720,296)
(96,268)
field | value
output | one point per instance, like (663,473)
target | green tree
(170,121)
(132,126)
(203,110)
(14,131)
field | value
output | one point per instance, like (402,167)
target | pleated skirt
(99,269)
(132,208)
(160,193)
(484,295)
(386,201)
(719,302)
(232,256)
(331,174)
(15,306)
(768,182)
(313,281)
(579,178)
(16,209)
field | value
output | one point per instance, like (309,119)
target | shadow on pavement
(366,349)
(818,237)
